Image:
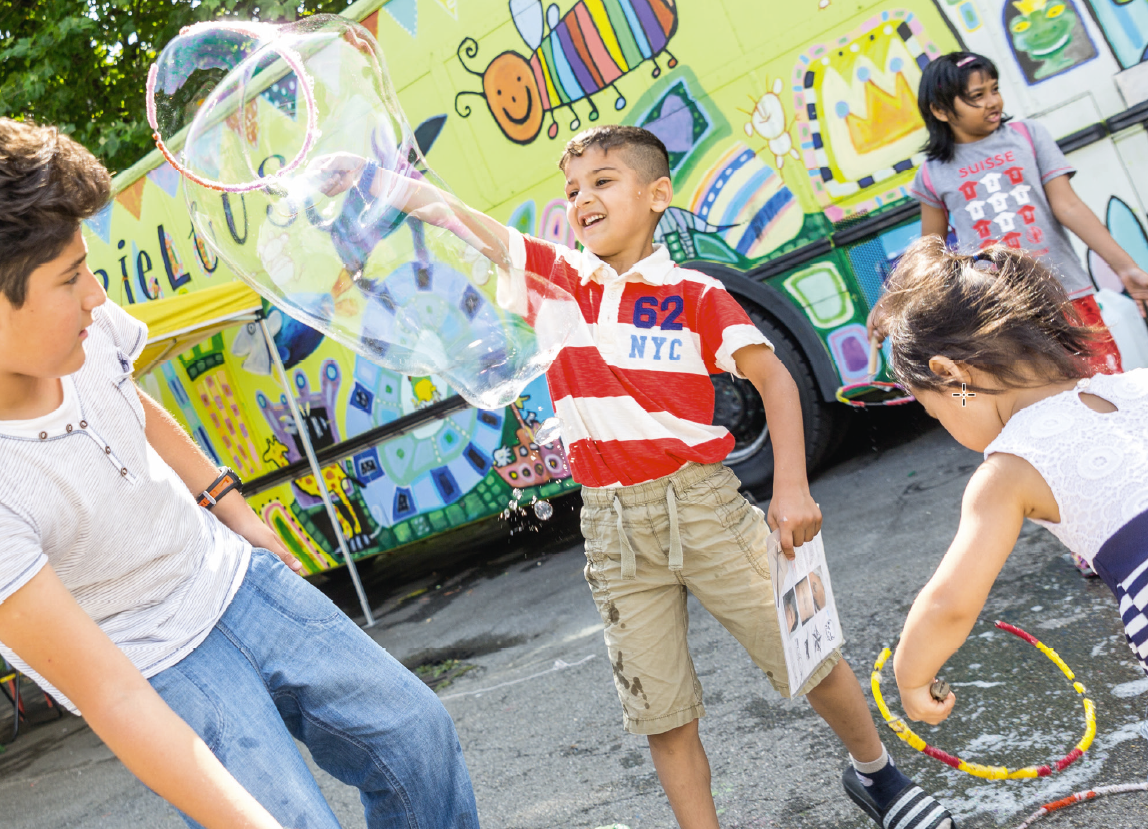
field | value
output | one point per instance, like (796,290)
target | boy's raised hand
(796,516)
(335,172)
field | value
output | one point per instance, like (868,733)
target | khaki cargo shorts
(691,530)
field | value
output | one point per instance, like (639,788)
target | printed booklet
(806,611)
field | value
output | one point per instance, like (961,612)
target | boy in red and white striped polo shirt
(662,515)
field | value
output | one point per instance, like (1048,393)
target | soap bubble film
(298,166)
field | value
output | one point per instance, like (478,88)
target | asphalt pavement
(513,628)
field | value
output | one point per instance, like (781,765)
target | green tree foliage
(82,64)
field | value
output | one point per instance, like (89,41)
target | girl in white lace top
(989,345)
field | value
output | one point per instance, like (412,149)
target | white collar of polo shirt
(654,269)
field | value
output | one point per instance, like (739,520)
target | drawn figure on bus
(425,392)
(768,120)
(1125,27)
(688,236)
(1047,36)
(275,455)
(572,58)
(855,105)
(339,487)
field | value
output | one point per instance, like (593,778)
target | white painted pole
(316,470)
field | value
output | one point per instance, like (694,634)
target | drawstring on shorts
(675,536)
(629,561)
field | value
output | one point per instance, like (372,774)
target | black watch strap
(227,481)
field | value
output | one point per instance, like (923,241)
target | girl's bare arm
(44,626)
(1078,217)
(934,221)
(944,612)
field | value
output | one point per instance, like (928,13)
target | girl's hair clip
(966,60)
(984,263)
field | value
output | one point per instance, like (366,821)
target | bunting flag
(131,197)
(166,177)
(371,23)
(249,122)
(450,7)
(405,13)
(101,224)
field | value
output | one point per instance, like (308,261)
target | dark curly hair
(645,152)
(1000,311)
(48,185)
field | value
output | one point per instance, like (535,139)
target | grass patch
(439,675)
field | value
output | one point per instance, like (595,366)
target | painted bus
(793,135)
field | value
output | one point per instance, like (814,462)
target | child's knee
(680,735)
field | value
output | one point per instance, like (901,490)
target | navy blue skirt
(1123,565)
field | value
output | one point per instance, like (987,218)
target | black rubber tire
(738,407)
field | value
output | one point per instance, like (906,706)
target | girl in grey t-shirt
(1001,181)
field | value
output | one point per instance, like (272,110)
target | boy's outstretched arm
(418,198)
(45,627)
(944,612)
(1078,217)
(792,509)
(197,471)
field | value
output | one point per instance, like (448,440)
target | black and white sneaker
(912,808)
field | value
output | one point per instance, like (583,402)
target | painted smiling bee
(573,57)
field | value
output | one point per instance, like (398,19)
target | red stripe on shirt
(605,462)
(577,373)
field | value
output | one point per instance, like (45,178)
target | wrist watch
(227,481)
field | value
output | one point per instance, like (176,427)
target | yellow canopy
(181,322)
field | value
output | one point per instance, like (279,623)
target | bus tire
(739,408)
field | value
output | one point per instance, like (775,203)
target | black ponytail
(943,81)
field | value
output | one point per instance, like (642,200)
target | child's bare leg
(839,701)
(684,771)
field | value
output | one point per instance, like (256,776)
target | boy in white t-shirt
(191,649)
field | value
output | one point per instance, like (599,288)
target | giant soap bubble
(299,165)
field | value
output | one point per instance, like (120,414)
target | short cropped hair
(48,185)
(644,152)
(1000,311)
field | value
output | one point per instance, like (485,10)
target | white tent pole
(316,470)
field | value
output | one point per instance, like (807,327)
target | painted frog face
(512,95)
(1043,28)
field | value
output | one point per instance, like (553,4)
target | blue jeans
(285,662)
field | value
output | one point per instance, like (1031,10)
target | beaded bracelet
(903,731)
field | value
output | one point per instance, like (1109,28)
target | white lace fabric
(1096,464)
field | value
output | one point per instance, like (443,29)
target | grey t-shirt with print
(993,192)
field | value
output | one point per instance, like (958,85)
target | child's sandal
(913,808)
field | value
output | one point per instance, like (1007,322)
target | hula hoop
(292,60)
(902,394)
(1080,797)
(903,731)
(875,385)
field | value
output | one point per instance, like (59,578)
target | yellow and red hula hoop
(903,731)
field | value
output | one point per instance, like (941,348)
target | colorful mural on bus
(785,123)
